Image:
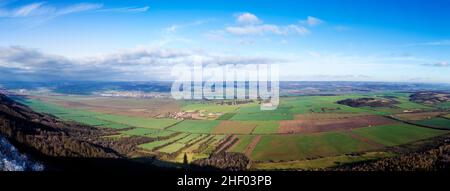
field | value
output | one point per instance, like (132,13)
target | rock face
(369,102)
(430,97)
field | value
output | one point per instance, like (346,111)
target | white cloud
(298,29)
(27,10)
(267,29)
(251,25)
(79,8)
(42,9)
(127,9)
(247,18)
(254,29)
(312,21)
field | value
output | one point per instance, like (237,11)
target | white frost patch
(12,160)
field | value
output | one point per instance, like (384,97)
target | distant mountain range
(286,87)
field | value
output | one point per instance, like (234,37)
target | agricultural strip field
(173,147)
(211,107)
(152,133)
(140,131)
(298,147)
(324,125)
(179,144)
(391,135)
(195,126)
(241,145)
(152,145)
(234,127)
(201,149)
(160,134)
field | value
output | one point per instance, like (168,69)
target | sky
(320,40)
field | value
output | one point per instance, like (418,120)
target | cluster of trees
(370,102)
(225,161)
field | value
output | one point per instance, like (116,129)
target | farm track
(250,147)
(227,143)
(167,128)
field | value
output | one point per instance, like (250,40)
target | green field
(253,113)
(174,147)
(324,162)
(181,143)
(297,147)
(195,126)
(242,144)
(209,107)
(155,144)
(188,138)
(391,135)
(226,116)
(266,127)
(320,104)
(137,121)
(140,131)
(437,122)
(160,134)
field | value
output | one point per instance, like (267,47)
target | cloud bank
(25,64)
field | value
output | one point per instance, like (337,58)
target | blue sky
(311,40)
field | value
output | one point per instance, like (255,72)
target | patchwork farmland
(305,132)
